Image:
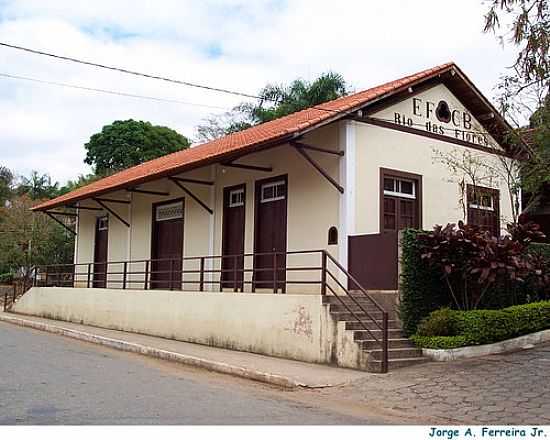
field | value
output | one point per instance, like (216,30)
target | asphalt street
(48,379)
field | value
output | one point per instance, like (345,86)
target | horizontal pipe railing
(247,271)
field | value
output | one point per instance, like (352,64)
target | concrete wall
(291,326)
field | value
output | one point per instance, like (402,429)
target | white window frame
(273,185)
(167,206)
(484,208)
(397,185)
(236,192)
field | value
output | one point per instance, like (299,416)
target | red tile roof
(243,141)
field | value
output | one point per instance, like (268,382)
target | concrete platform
(272,370)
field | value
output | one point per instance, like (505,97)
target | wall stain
(303,324)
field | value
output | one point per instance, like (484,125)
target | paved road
(512,388)
(48,379)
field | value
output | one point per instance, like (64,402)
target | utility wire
(148,75)
(110,92)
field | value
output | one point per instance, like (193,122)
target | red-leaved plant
(470,260)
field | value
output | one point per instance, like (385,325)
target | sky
(233,44)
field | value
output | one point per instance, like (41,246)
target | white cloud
(44,127)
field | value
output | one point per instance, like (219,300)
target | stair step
(394,333)
(398,353)
(348,300)
(395,343)
(375,366)
(347,316)
(352,324)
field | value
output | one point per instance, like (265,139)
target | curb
(520,343)
(219,367)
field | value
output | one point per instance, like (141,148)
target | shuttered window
(401,201)
(484,208)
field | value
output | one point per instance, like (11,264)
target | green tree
(6,185)
(528,29)
(37,186)
(123,144)
(27,240)
(81,180)
(523,91)
(535,172)
(277,101)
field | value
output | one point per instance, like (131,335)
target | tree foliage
(470,260)
(277,100)
(31,239)
(528,29)
(80,181)
(123,144)
(37,186)
(6,184)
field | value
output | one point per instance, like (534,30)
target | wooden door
(234,206)
(373,260)
(101,246)
(167,245)
(270,224)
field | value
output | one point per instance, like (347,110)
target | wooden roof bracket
(197,181)
(314,148)
(110,211)
(248,167)
(52,214)
(190,194)
(318,167)
(147,191)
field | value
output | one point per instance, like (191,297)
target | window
(236,198)
(399,187)
(333,235)
(484,208)
(169,211)
(103,223)
(273,191)
(400,200)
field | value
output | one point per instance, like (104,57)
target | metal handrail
(97,274)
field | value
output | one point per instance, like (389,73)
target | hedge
(477,327)
(423,291)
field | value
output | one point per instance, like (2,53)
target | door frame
(257,194)
(226,191)
(154,237)
(104,280)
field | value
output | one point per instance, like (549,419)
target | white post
(348,179)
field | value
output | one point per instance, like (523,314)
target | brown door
(372,260)
(234,200)
(167,245)
(100,251)
(270,233)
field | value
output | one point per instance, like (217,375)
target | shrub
(476,327)
(439,342)
(6,278)
(424,287)
(442,322)
(421,289)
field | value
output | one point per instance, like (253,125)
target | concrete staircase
(401,351)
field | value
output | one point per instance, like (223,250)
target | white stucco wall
(379,147)
(313,207)
(291,326)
